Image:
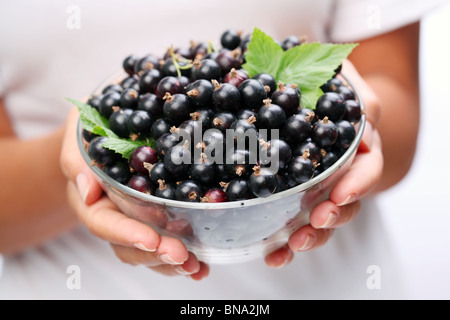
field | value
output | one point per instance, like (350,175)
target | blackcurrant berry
(239,163)
(94,101)
(101,155)
(301,168)
(313,148)
(190,128)
(119,171)
(207,69)
(346,93)
(352,111)
(141,157)
(324,132)
(177,160)
(330,105)
(252,93)
(332,85)
(328,159)
(296,129)
(204,173)
(159,172)
(165,190)
(160,127)
(287,98)
(214,195)
(118,122)
(149,80)
(129,98)
(165,142)
(275,153)
(110,101)
(150,103)
(223,121)
(290,42)
(346,135)
(226,97)
(168,84)
(88,136)
(141,183)
(112,88)
(229,59)
(188,190)
(177,108)
(244,114)
(130,82)
(238,189)
(146,63)
(129,62)
(235,77)
(230,39)
(262,182)
(200,92)
(204,115)
(270,116)
(170,69)
(139,124)
(267,81)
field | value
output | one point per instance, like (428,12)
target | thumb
(74,166)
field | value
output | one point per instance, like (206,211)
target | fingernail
(332,218)
(310,240)
(168,259)
(83,186)
(351,198)
(182,271)
(142,247)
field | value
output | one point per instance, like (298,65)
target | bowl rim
(239,203)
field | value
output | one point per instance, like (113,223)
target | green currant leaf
(93,121)
(123,146)
(309,65)
(309,98)
(263,55)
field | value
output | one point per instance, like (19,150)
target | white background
(417,211)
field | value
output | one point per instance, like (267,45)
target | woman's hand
(343,204)
(133,242)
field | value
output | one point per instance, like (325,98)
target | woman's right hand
(133,242)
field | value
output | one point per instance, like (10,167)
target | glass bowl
(229,232)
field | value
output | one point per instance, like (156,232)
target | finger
(328,215)
(202,273)
(202,270)
(362,176)
(73,165)
(308,238)
(134,256)
(280,257)
(105,221)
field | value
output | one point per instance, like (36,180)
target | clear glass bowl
(229,232)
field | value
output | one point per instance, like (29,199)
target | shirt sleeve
(355,20)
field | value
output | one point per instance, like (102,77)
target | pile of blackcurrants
(198,89)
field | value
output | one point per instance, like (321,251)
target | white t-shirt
(64,49)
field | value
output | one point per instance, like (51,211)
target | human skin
(384,158)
